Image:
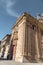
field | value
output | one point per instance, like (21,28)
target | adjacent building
(0,46)
(5,45)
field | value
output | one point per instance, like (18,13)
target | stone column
(14,49)
(29,41)
(40,47)
(6,52)
(11,42)
(1,51)
(37,46)
(21,40)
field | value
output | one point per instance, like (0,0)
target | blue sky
(10,10)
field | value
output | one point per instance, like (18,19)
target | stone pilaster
(21,41)
(33,48)
(6,52)
(1,51)
(28,42)
(37,47)
(40,46)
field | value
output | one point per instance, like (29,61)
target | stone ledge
(16,63)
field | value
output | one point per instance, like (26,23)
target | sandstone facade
(26,42)
(5,45)
(29,39)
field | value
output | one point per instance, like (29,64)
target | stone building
(27,39)
(5,44)
(0,46)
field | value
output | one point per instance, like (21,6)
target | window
(41,32)
(33,26)
(3,51)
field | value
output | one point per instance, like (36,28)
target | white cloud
(8,4)
(12,13)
